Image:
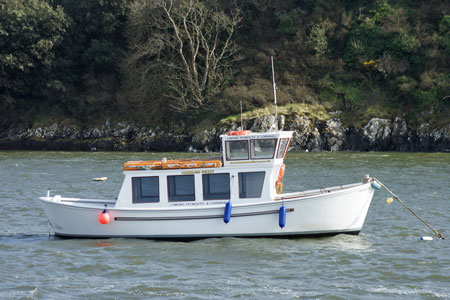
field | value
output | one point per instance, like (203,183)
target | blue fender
(376,185)
(282,216)
(227,212)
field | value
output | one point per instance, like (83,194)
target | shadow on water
(343,242)
(339,242)
(194,239)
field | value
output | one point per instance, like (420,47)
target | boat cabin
(248,171)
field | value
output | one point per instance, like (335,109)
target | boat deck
(288,196)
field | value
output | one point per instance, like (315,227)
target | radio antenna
(242,124)
(274,94)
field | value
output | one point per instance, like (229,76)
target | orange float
(104,217)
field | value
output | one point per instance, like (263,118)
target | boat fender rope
(437,233)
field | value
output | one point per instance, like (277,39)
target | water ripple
(386,261)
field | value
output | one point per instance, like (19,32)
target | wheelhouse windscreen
(264,148)
(237,150)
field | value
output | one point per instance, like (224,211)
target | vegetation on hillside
(176,63)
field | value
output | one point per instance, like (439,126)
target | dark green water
(386,261)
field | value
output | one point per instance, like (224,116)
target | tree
(183,47)
(95,39)
(318,39)
(30,31)
(89,57)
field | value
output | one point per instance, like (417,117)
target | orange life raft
(171,164)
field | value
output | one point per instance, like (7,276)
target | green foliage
(444,25)
(289,21)
(30,31)
(366,42)
(89,57)
(347,96)
(433,91)
(444,28)
(381,12)
(406,84)
(318,39)
(95,40)
(404,42)
(385,30)
(66,57)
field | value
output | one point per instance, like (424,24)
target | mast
(242,126)
(274,94)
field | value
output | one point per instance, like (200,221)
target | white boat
(238,195)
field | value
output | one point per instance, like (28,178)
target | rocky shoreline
(309,135)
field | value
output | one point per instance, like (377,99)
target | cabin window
(181,188)
(251,184)
(216,186)
(145,189)
(237,150)
(264,148)
(282,148)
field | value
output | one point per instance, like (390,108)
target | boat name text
(198,171)
(206,203)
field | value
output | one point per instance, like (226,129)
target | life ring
(239,132)
(279,183)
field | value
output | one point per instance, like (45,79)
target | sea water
(388,260)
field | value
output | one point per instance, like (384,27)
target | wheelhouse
(205,183)
(255,148)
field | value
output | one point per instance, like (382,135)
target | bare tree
(183,49)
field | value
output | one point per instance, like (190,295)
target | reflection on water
(386,261)
(348,243)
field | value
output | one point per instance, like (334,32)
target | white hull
(322,212)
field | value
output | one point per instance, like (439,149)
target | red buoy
(104,217)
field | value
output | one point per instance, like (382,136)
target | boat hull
(326,213)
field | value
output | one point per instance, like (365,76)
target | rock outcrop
(309,135)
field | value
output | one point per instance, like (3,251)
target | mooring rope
(437,233)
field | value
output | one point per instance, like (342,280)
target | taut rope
(437,233)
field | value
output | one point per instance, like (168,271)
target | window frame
(285,150)
(136,191)
(207,186)
(240,185)
(227,148)
(273,152)
(178,198)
